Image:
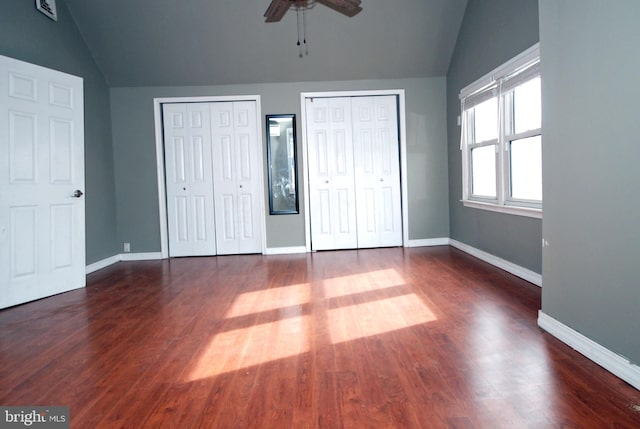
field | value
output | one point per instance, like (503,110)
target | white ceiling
(210,42)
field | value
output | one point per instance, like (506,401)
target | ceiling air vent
(48,7)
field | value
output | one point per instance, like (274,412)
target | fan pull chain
(298,22)
(304,31)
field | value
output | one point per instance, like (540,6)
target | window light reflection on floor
(377,317)
(270,299)
(246,347)
(358,283)
(378,313)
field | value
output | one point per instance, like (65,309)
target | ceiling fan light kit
(278,8)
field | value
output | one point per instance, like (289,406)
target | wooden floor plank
(379,338)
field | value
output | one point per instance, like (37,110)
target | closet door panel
(189,181)
(377,172)
(249,185)
(224,176)
(236,177)
(342,173)
(332,190)
(366,171)
(318,129)
(388,166)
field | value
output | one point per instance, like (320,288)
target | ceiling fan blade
(276,10)
(345,7)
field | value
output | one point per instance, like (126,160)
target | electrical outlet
(127,247)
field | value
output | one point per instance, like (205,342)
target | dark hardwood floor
(384,338)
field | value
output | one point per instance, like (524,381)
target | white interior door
(331,174)
(189,179)
(42,225)
(237,169)
(377,171)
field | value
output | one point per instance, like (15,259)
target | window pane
(483,171)
(486,120)
(526,106)
(526,168)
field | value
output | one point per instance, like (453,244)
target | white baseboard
(149,256)
(102,263)
(604,357)
(444,241)
(426,242)
(122,257)
(285,250)
(510,267)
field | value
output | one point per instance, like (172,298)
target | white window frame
(491,85)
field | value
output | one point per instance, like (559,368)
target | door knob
(382,180)
(77,194)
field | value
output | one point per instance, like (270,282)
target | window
(501,138)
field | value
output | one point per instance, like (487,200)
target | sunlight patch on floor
(270,299)
(359,283)
(377,313)
(377,317)
(243,348)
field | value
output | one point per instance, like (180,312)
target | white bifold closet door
(189,179)
(332,197)
(213,178)
(236,177)
(377,171)
(354,172)
(42,218)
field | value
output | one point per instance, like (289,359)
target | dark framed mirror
(282,163)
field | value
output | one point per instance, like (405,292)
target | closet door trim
(402,129)
(162,204)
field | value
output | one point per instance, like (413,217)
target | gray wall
(590,93)
(28,35)
(135,160)
(492,32)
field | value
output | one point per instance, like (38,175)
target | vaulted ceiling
(207,42)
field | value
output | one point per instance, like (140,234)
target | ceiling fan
(278,8)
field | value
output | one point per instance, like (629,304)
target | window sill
(513,210)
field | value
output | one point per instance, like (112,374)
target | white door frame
(402,128)
(162,193)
